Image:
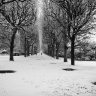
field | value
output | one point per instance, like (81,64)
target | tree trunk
(48,49)
(65,47)
(57,50)
(53,50)
(80,54)
(32,49)
(72,51)
(12,44)
(65,53)
(57,57)
(25,48)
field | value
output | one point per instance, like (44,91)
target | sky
(40,16)
(93,38)
(40,20)
(40,8)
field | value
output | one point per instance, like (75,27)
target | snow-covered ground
(41,75)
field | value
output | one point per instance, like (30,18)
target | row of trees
(17,16)
(85,51)
(67,21)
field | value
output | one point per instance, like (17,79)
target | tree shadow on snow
(6,71)
(52,63)
(94,83)
(38,59)
(68,69)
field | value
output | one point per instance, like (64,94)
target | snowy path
(43,76)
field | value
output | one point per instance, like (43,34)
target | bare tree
(5,34)
(59,16)
(52,36)
(19,15)
(3,2)
(79,18)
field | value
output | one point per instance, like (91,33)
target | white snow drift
(41,75)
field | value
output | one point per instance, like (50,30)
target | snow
(41,75)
